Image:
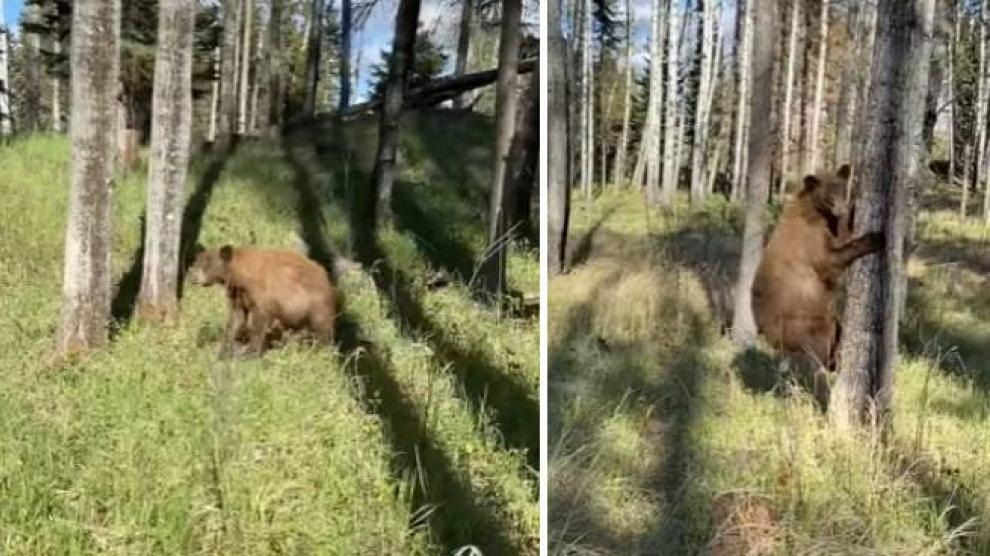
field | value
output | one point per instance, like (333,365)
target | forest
(769,293)
(151,149)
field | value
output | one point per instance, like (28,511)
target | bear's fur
(269,290)
(794,291)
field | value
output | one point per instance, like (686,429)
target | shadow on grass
(926,330)
(125,298)
(781,375)
(583,247)
(665,388)
(461,517)
(971,254)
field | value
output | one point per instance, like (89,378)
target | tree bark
(313,42)
(785,127)
(816,116)
(980,125)
(403,49)
(345,55)
(5,113)
(846,109)
(276,80)
(171,127)
(671,164)
(743,56)
(558,157)
(587,102)
(887,168)
(619,168)
(463,49)
(95,62)
(242,112)
(648,161)
(524,157)
(700,147)
(228,73)
(761,147)
(492,271)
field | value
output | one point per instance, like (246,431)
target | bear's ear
(844,172)
(226,253)
(811,182)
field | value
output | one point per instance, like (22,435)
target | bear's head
(829,195)
(211,266)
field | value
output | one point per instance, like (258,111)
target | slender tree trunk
(95,63)
(493,267)
(587,101)
(846,110)
(211,134)
(558,158)
(463,49)
(242,113)
(887,169)
(524,156)
(619,167)
(743,56)
(5,113)
(228,73)
(314,40)
(761,148)
(671,165)
(816,116)
(276,81)
(700,148)
(980,125)
(345,55)
(785,127)
(967,167)
(171,127)
(57,116)
(401,61)
(950,55)
(648,161)
(32,71)
(256,88)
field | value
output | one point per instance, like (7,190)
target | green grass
(408,441)
(654,419)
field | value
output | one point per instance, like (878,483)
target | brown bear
(794,291)
(269,290)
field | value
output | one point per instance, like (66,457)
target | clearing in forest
(660,441)
(419,436)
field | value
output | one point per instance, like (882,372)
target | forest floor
(663,441)
(419,436)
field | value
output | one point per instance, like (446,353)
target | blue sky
(12,11)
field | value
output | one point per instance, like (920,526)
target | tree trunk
(524,156)
(211,133)
(816,115)
(242,112)
(648,161)
(760,162)
(619,167)
(785,127)
(345,55)
(57,124)
(95,62)
(492,271)
(558,157)
(846,110)
(171,127)
(401,61)
(587,101)
(463,49)
(5,113)
(671,165)
(700,147)
(256,88)
(275,68)
(887,167)
(980,125)
(743,55)
(950,59)
(313,42)
(228,73)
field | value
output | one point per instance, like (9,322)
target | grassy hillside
(663,441)
(418,437)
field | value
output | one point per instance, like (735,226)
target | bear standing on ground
(795,286)
(269,290)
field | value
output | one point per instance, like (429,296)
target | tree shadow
(513,409)
(129,285)
(925,329)
(763,372)
(971,254)
(460,516)
(582,249)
